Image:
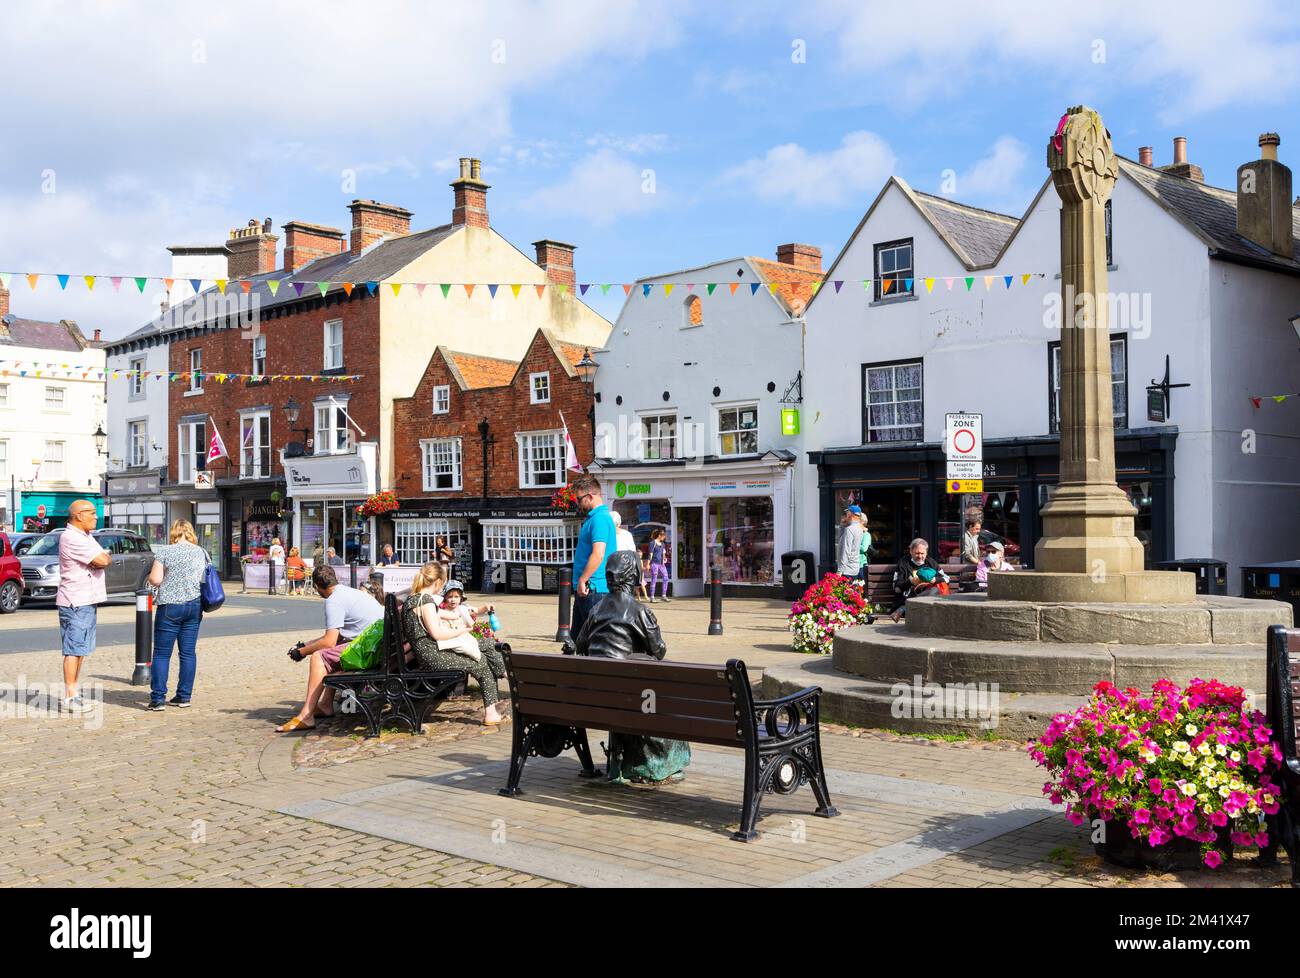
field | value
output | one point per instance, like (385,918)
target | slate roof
(1209,212)
(977,234)
(41,335)
(379,262)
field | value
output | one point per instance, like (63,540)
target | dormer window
(895,275)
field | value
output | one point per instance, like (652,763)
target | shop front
(39,511)
(736,516)
(135,503)
(256,514)
(327,493)
(902,492)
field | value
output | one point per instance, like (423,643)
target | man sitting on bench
(621,628)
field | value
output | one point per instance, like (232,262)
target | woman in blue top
(657,560)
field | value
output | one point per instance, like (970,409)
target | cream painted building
(51,404)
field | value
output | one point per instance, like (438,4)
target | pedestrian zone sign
(963,443)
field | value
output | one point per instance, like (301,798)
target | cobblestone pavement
(210,796)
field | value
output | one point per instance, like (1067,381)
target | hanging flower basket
(378,504)
(565,499)
(1178,776)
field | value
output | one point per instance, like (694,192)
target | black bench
(410,693)
(1283,692)
(555,699)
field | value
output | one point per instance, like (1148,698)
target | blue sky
(130,130)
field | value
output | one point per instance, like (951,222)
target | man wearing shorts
(347,613)
(81,588)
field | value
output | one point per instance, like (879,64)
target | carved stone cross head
(1083,164)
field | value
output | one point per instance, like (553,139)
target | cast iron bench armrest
(808,692)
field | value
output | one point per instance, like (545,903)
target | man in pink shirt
(81,587)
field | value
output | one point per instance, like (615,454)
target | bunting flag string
(22,368)
(1258,399)
(888,285)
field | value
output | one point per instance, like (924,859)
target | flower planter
(1121,849)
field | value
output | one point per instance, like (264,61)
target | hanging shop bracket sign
(1158,405)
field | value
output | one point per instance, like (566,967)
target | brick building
(332,338)
(480,449)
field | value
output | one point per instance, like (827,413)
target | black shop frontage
(902,491)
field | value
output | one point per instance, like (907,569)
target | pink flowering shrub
(833,602)
(1177,764)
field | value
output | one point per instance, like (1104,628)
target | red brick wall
(507,410)
(294,345)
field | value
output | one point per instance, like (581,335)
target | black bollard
(353,565)
(143,638)
(270,577)
(562,633)
(715,601)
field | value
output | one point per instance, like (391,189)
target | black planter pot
(1121,849)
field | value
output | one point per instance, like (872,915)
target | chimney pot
(1180,167)
(469,195)
(1268,143)
(1144,155)
(252,250)
(97,332)
(800,256)
(1180,149)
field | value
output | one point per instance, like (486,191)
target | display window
(740,538)
(643,517)
(998,511)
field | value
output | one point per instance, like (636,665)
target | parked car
(23,542)
(11,578)
(132,560)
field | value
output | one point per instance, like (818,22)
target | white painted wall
(124,408)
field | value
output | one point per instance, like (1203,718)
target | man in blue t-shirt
(596,541)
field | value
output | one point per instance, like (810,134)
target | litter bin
(798,573)
(1211,574)
(489,581)
(1278,582)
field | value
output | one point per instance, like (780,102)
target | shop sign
(134,485)
(1155,404)
(342,471)
(789,421)
(202,480)
(740,487)
(623,489)
(263,509)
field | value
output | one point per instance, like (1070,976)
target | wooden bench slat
(532,695)
(636,723)
(627,684)
(686,672)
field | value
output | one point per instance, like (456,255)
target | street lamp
(100,437)
(291,411)
(586,368)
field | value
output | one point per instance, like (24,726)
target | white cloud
(1198,54)
(997,181)
(791,173)
(640,142)
(601,188)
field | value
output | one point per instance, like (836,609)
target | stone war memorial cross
(1088,551)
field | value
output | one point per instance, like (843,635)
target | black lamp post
(291,410)
(586,368)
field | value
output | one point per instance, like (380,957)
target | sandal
(294,724)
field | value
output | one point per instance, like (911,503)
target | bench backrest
(1284,685)
(675,700)
(394,636)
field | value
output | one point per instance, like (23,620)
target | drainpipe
(483,429)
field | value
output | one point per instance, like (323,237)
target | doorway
(688,550)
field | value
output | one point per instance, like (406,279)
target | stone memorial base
(1130,587)
(955,657)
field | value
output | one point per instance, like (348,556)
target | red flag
(216,447)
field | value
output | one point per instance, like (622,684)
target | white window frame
(329,444)
(542,395)
(332,347)
(442,392)
(530,541)
(48,461)
(413,540)
(4,395)
(868,427)
(137,443)
(1054,383)
(647,440)
(718,432)
(255,459)
(135,379)
(60,400)
(259,355)
(4,460)
(899,274)
(196,369)
(432,454)
(525,450)
(191,457)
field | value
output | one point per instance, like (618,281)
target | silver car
(132,559)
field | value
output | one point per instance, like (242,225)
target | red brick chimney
(304,243)
(556,260)
(800,256)
(252,249)
(4,302)
(1144,155)
(1180,167)
(469,201)
(373,221)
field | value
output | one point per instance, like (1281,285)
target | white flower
(1188,788)
(1221,750)
(1190,730)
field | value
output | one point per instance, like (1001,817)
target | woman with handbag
(178,573)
